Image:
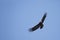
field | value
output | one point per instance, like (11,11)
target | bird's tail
(41,26)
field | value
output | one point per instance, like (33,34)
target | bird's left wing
(34,28)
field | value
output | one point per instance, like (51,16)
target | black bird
(40,24)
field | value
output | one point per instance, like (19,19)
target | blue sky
(17,16)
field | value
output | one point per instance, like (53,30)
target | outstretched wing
(34,28)
(43,17)
(40,24)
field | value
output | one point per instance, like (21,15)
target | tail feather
(41,26)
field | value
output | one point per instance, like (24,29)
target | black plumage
(39,25)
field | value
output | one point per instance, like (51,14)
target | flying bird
(40,24)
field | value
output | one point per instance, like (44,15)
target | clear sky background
(17,16)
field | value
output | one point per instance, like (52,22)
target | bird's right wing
(43,17)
